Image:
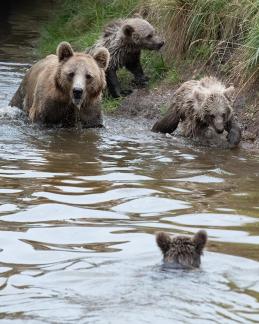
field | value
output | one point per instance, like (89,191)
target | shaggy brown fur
(62,88)
(182,251)
(200,105)
(124,39)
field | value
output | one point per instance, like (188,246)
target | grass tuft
(222,33)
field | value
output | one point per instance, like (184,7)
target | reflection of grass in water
(95,247)
(249,251)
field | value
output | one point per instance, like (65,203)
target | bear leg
(113,83)
(134,66)
(18,98)
(168,123)
(234,132)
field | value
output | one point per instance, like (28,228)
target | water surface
(79,209)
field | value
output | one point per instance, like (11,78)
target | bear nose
(77,93)
(161,44)
(220,131)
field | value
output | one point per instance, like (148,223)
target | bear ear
(127,30)
(163,240)
(64,51)
(229,93)
(102,57)
(200,240)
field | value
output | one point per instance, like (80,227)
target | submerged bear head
(182,251)
(81,75)
(141,33)
(216,107)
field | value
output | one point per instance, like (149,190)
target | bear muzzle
(77,96)
(218,125)
(161,44)
(155,44)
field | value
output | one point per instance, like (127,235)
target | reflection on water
(20,21)
(78,214)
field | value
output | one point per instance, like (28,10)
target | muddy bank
(150,104)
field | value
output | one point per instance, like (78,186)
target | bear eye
(212,116)
(71,74)
(149,36)
(88,76)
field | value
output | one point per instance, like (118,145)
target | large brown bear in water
(182,251)
(124,39)
(64,88)
(200,105)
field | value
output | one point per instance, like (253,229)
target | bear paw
(125,93)
(141,82)
(234,136)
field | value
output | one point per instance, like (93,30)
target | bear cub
(64,88)
(124,39)
(182,251)
(200,106)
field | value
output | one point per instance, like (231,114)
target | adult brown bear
(61,89)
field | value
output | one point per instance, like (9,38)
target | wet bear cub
(124,39)
(182,251)
(202,105)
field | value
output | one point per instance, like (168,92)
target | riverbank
(219,40)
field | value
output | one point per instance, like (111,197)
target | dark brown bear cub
(182,251)
(124,39)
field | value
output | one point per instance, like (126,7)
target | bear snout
(77,93)
(219,130)
(161,44)
(218,125)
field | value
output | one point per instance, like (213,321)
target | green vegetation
(81,21)
(111,104)
(221,34)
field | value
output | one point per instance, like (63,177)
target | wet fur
(200,105)
(182,251)
(124,39)
(45,91)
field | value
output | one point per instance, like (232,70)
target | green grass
(80,22)
(223,33)
(111,104)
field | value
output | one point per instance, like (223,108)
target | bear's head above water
(81,75)
(182,251)
(215,107)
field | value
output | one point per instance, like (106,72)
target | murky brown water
(79,210)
